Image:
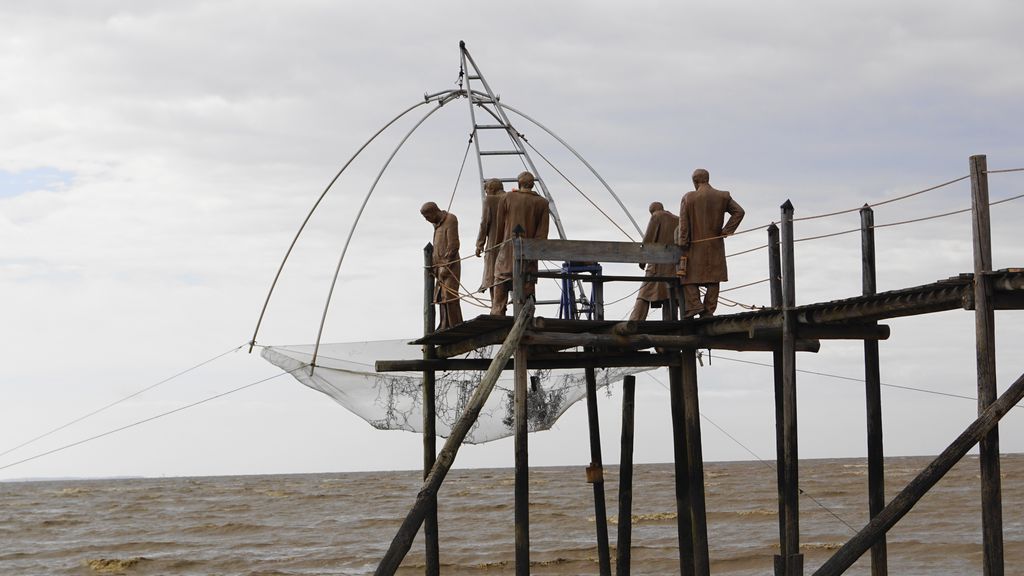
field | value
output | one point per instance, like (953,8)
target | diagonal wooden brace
(407,532)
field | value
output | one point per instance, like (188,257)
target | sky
(156,159)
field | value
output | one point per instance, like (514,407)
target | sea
(319,524)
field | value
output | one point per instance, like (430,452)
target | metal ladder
(483,99)
(487,101)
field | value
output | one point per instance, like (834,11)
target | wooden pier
(529,341)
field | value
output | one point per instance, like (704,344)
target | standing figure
(661,229)
(528,210)
(489,235)
(445,265)
(701,214)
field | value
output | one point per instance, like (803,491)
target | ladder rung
(500,153)
(490,127)
(473,77)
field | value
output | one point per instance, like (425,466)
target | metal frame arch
(441,101)
(426,100)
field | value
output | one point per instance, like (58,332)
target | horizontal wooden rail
(591,251)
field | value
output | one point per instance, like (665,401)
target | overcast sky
(156,159)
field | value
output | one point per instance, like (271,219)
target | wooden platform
(838,319)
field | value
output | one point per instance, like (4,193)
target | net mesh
(394,400)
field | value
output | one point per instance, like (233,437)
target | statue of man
(445,265)
(701,214)
(661,229)
(489,235)
(525,209)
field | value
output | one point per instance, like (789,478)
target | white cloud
(200,133)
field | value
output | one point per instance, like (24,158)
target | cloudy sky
(156,158)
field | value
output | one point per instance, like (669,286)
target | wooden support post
(984,322)
(414,519)
(433,552)
(520,423)
(595,475)
(679,443)
(625,539)
(919,486)
(775,284)
(695,468)
(792,559)
(873,394)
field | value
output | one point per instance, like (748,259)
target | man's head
(525,180)
(431,212)
(493,186)
(656,207)
(701,176)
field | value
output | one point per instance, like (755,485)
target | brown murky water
(342,523)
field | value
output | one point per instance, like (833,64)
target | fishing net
(394,400)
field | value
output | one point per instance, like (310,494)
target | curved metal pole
(585,163)
(316,204)
(348,239)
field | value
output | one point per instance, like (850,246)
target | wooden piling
(695,465)
(679,443)
(625,535)
(919,486)
(873,395)
(595,475)
(433,552)
(520,425)
(793,560)
(775,285)
(984,321)
(446,457)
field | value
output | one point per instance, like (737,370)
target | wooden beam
(641,341)
(414,519)
(470,344)
(695,465)
(432,565)
(593,251)
(792,558)
(684,530)
(624,542)
(924,481)
(521,505)
(595,475)
(985,345)
(870,331)
(775,286)
(873,395)
(561,360)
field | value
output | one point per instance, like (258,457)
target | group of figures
(700,228)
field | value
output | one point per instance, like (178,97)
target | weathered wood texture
(624,542)
(919,486)
(695,465)
(873,396)
(679,443)
(775,288)
(550,362)
(791,490)
(432,564)
(521,431)
(641,341)
(596,475)
(985,336)
(410,526)
(593,251)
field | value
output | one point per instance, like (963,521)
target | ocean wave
(113,565)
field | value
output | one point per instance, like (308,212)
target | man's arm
(735,217)
(485,226)
(684,224)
